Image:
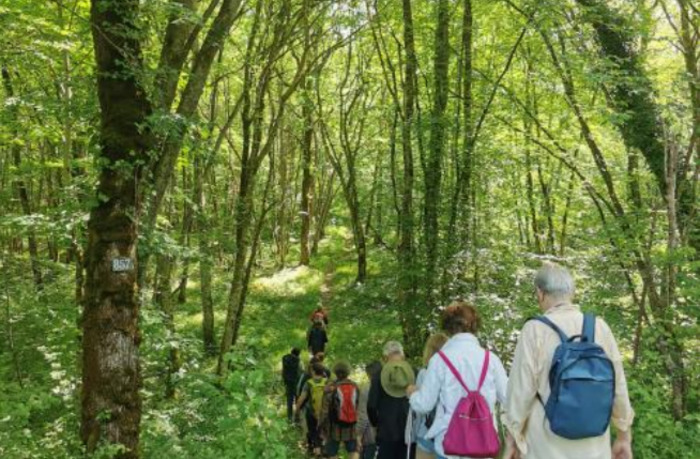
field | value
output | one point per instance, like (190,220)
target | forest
(182,182)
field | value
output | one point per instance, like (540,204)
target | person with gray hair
(392,348)
(555,281)
(529,434)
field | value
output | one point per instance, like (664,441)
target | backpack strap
(484,370)
(482,378)
(588,331)
(453,370)
(545,320)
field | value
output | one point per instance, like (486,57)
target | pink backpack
(471,431)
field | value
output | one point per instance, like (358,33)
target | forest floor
(240,417)
(243,416)
(276,317)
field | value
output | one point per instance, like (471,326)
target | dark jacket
(291,369)
(388,414)
(317,340)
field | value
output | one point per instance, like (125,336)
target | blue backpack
(582,381)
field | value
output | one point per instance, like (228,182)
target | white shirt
(441,388)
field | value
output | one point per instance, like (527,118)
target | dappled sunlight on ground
(289,281)
(276,315)
(195,319)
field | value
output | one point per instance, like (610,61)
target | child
(339,414)
(313,392)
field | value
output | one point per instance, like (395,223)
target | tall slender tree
(434,163)
(407,281)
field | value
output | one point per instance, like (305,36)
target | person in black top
(317,338)
(291,372)
(387,406)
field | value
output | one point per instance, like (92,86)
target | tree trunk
(163,298)
(357,229)
(376,176)
(433,170)
(632,96)
(410,312)
(257,230)
(244,205)
(686,189)
(205,268)
(184,241)
(323,209)
(668,342)
(307,178)
(189,100)
(545,189)
(111,405)
(461,201)
(21,186)
(567,208)
(641,127)
(287,188)
(243,219)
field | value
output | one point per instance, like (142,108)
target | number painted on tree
(122,264)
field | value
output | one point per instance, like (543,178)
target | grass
(243,417)
(276,317)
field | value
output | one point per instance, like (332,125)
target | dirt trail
(327,286)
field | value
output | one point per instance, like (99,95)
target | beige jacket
(524,415)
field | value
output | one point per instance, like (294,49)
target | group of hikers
(566,385)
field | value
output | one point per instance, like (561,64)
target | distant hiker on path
(339,414)
(541,427)
(461,362)
(312,396)
(319,314)
(317,338)
(291,372)
(303,407)
(387,405)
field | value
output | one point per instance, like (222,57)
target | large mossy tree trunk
(641,128)
(460,208)
(434,162)
(407,281)
(111,405)
(668,341)
(632,95)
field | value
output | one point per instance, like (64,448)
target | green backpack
(316,391)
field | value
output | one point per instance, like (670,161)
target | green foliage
(239,417)
(38,374)
(656,433)
(531,199)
